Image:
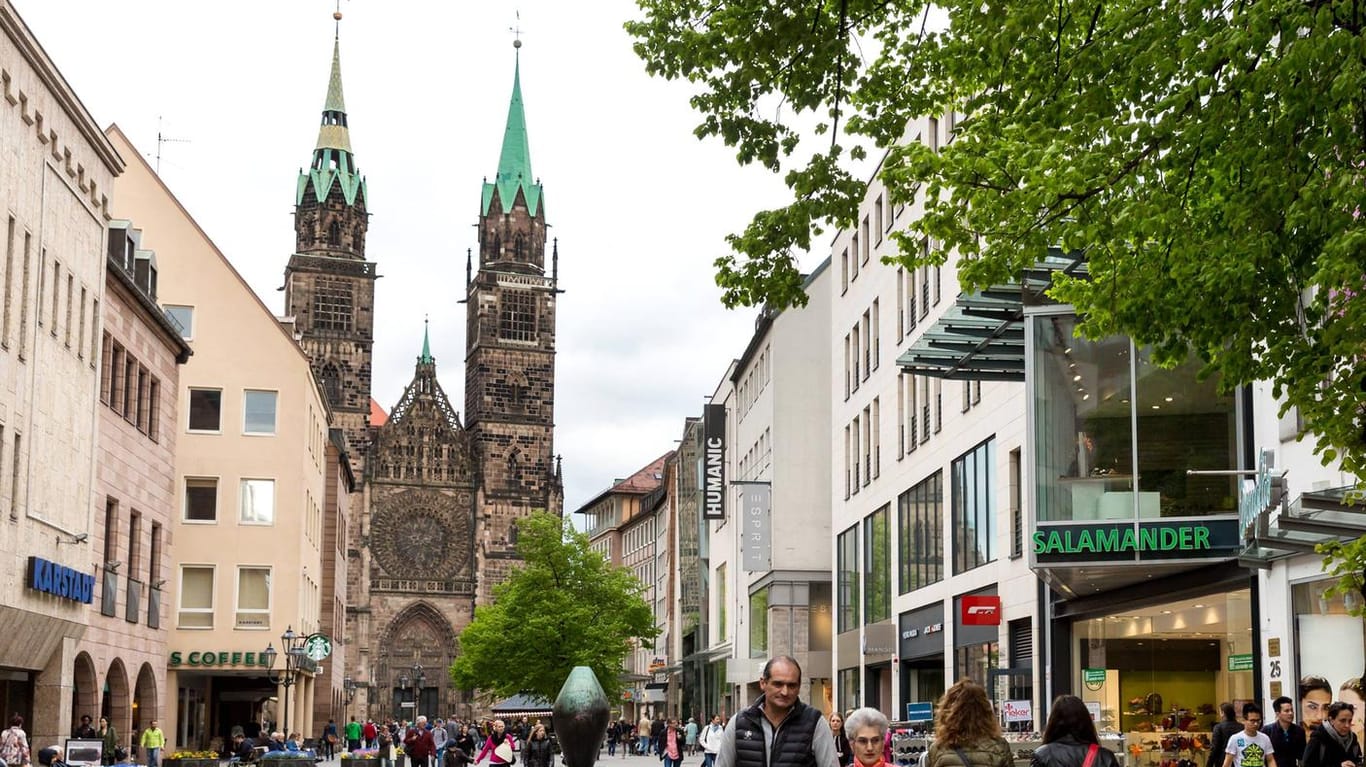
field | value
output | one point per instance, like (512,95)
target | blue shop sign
(60,581)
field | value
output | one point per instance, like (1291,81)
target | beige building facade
(251,466)
(56,170)
(120,666)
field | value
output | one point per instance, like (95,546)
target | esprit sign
(1125,541)
(980,610)
(714,462)
(60,581)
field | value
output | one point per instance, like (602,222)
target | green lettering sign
(1193,538)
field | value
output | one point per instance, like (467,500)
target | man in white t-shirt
(1251,747)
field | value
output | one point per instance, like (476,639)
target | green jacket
(111,741)
(988,752)
(353,730)
(153,738)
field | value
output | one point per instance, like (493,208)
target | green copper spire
(426,358)
(333,162)
(514,164)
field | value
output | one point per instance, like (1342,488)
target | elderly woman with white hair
(867,730)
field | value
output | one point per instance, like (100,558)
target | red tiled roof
(646,479)
(377,415)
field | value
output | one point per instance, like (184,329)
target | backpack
(12,748)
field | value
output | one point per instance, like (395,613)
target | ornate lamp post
(349,687)
(419,681)
(293,646)
(403,695)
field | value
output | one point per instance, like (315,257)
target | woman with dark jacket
(1334,744)
(465,740)
(536,751)
(843,753)
(1219,735)
(1069,738)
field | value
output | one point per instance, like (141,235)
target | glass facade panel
(846,550)
(974,507)
(1323,621)
(877,567)
(758,623)
(920,534)
(1183,423)
(849,689)
(1083,433)
(974,660)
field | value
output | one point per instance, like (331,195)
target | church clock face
(421,535)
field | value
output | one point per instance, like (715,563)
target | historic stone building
(440,498)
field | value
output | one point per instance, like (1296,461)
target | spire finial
(337,17)
(515,30)
(426,358)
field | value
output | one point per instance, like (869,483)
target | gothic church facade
(433,525)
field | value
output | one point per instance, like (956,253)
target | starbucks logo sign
(317,646)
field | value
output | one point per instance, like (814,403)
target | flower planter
(190,762)
(368,762)
(292,761)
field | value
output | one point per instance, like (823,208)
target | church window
(332,303)
(519,247)
(517,316)
(330,380)
(334,233)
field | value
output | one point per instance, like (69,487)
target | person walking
(536,751)
(353,735)
(498,747)
(690,736)
(151,742)
(643,735)
(1070,739)
(1224,729)
(1334,744)
(613,732)
(710,739)
(1287,738)
(438,737)
(843,754)
(85,731)
(465,740)
(418,745)
(14,743)
(1250,747)
(669,745)
(868,730)
(967,733)
(778,730)
(111,741)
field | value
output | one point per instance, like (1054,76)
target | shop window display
(1094,400)
(1157,674)
(1330,644)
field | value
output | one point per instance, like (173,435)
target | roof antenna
(164,140)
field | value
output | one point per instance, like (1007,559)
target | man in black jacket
(1287,738)
(778,730)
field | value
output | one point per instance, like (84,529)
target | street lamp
(348,687)
(403,695)
(419,681)
(293,647)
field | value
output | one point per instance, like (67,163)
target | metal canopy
(1298,528)
(981,337)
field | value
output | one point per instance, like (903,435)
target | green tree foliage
(1206,156)
(565,607)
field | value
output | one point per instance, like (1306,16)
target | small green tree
(565,607)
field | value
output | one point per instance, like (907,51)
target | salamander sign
(60,581)
(1125,541)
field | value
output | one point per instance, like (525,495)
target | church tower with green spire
(510,352)
(329,284)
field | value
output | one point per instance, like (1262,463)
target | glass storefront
(1330,644)
(1158,674)
(1115,434)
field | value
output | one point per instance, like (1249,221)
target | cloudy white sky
(640,206)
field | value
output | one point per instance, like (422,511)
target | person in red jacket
(369,732)
(418,744)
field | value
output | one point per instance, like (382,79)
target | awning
(981,337)
(522,705)
(1322,516)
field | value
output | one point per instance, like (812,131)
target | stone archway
(419,634)
(85,691)
(115,703)
(145,703)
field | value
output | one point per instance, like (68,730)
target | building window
(875,429)
(900,415)
(849,679)
(863,255)
(877,567)
(722,632)
(196,597)
(875,333)
(332,302)
(900,304)
(517,316)
(201,499)
(258,502)
(758,623)
(182,317)
(206,409)
(974,518)
(975,661)
(846,552)
(920,534)
(877,213)
(867,326)
(844,271)
(258,411)
(847,360)
(253,598)
(853,263)
(857,352)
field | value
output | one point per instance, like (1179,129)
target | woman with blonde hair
(966,732)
